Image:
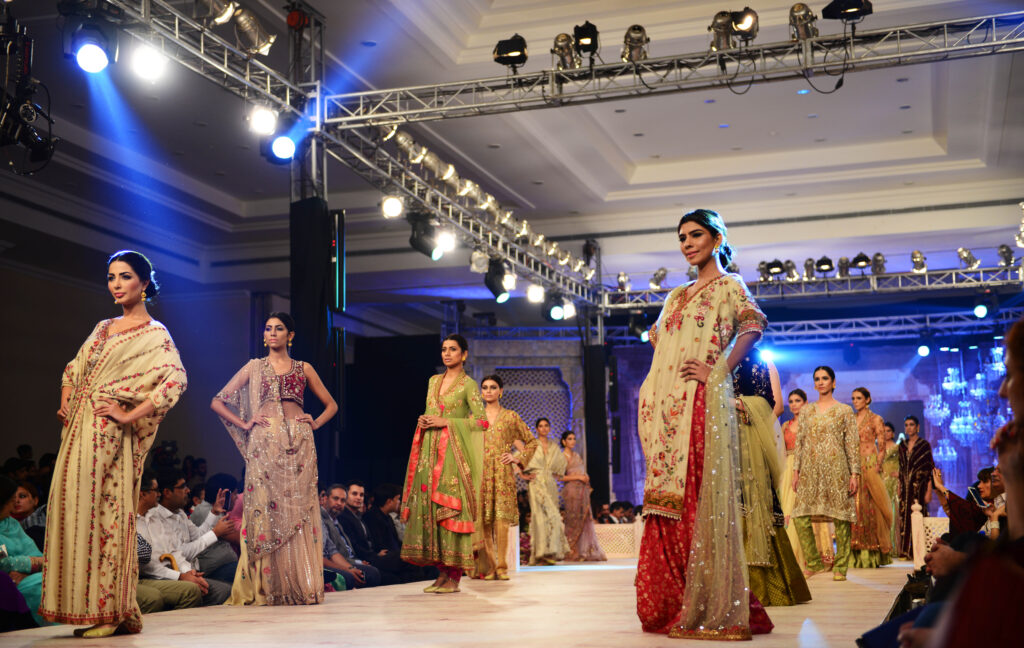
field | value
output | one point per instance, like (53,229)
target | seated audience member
(620,512)
(604,515)
(198,473)
(964,515)
(24,561)
(338,555)
(24,451)
(380,526)
(29,514)
(17,470)
(164,526)
(351,520)
(196,498)
(217,483)
(44,475)
(158,595)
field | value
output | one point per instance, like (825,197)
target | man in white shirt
(171,534)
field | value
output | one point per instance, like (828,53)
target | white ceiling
(919,157)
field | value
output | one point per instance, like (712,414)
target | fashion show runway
(566,605)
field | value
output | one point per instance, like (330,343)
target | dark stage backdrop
(386,389)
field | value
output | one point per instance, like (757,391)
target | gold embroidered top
(498,485)
(827,453)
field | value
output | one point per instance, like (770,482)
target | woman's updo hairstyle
(141,266)
(496,378)
(865,393)
(286,319)
(458,339)
(799,392)
(831,374)
(713,223)
(543,418)
(565,435)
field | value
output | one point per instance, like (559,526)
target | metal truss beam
(920,43)
(187,41)
(897,282)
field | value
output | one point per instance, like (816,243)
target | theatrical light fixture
(218,12)
(658,278)
(508,279)
(981,311)
(823,266)
(919,262)
(418,153)
(861,261)
(924,351)
(479,261)
(251,35)
(762,271)
(878,263)
(283,147)
(589,273)
(511,52)
(985,306)
(847,10)
(634,45)
(90,33)
(553,308)
(578,265)
(843,270)
(721,31)
(745,24)
(733,268)
(568,309)
(776,268)
(494,280)
(564,257)
(623,281)
(1005,256)
(535,293)
(585,38)
(262,120)
(149,64)
(422,236)
(470,190)
(445,242)
(691,273)
(392,206)
(801,21)
(564,50)
(792,274)
(638,328)
(970,261)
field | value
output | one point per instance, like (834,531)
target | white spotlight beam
(787,60)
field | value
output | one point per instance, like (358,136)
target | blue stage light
(645,337)
(91,57)
(981,311)
(803,91)
(923,351)
(767,355)
(557,312)
(283,147)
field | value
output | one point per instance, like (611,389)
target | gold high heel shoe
(96,632)
(450,588)
(836,576)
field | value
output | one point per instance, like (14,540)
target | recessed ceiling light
(678,204)
(655,157)
(178,153)
(812,116)
(904,107)
(77,105)
(820,139)
(638,134)
(773,133)
(709,101)
(219,173)
(494,146)
(538,182)
(791,194)
(368,43)
(902,80)
(723,125)
(620,110)
(737,148)
(908,182)
(200,124)
(574,212)
(803,91)
(907,132)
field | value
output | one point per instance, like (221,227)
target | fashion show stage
(589,604)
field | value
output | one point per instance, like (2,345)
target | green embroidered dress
(441,492)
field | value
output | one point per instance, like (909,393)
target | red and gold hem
(733,633)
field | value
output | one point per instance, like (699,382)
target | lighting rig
(21,117)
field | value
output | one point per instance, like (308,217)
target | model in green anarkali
(442,483)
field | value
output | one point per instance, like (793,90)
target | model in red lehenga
(692,578)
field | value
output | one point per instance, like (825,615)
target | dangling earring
(289,344)
(143,295)
(264,343)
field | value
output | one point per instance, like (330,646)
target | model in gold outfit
(870,538)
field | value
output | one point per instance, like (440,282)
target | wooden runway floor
(565,606)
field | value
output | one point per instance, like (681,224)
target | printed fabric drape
(90,569)
(547,532)
(281,551)
(441,491)
(692,565)
(915,475)
(579,520)
(891,479)
(870,538)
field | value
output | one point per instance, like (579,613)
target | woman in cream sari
(281,559)
(692,566)
(114,394)
(548,543)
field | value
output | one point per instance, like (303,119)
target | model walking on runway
(262,408)
(692,567)
(441,492)
(122,382)
(548,544)
(579,521)
(870,537)
(498,508)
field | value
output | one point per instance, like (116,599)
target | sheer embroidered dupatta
(760,471)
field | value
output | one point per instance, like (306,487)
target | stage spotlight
(824,266)
(776,268)
(843,270)
(919,261)
(733,268)
(535,293)
(878,263)
(861,261)
(767,355)
(537,241)
(422,235)
(637,327)
(494,280)
(262,120)
(801,21)
(847,10)
(251,35)
(508,279)
(470,190)
(511,52)
(634,45)
(524,230)
(564,257)
(745,24)
(479,261)
(551,249)
(418,153)
(970,261)
(566,56)
(691,273)
(578,265)
(1006,259)
(762,270)
(809,269)
(568,309)
(216,11)
(658,278)
(792,274)
(149,64)
(981,311)
(589,273)
(553,309)
(924,351)
(721,31)
(283,148)
(985,306)
(623,281)
(445,242)
(388,132)
(585,38)
(392,206)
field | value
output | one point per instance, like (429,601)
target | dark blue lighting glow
(803,91)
